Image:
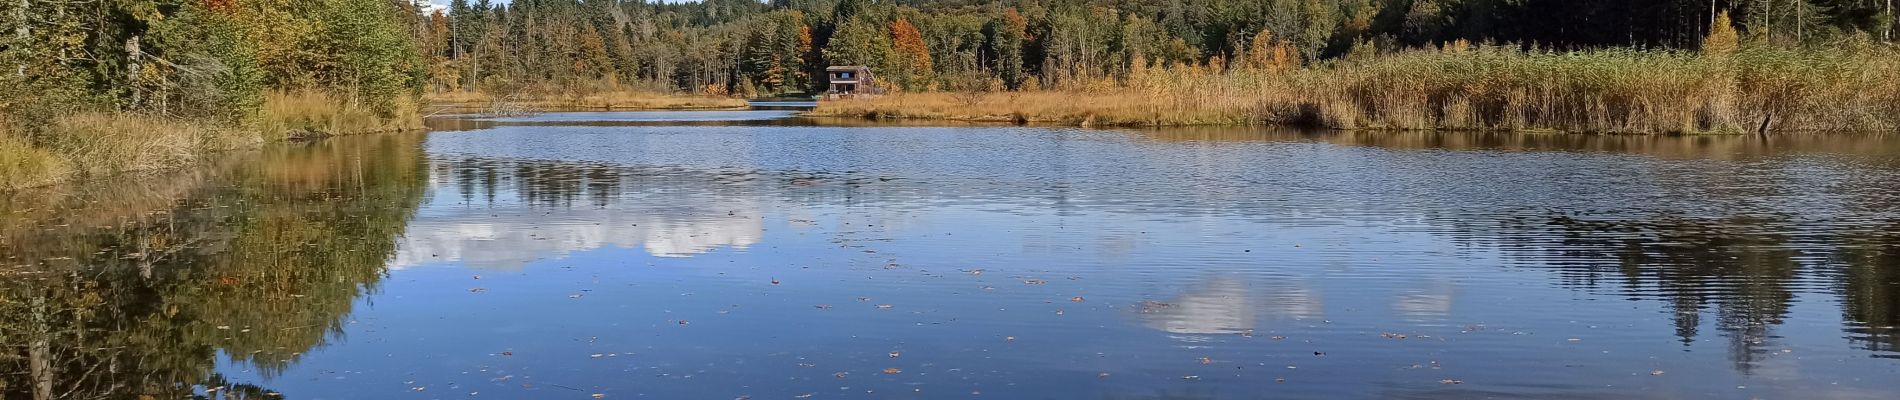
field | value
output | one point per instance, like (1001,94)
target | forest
(198,76)
(755,48)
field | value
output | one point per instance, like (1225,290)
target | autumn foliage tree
(909,63)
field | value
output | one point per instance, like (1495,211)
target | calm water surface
(662,256)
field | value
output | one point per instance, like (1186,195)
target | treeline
(103,86)
(202,58)
(748,47)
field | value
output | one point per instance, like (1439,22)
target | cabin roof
(842,68)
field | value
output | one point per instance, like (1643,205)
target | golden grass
(90,144)
(610,100)
(22,165)
(102,143)
(1484,88)
(314,113)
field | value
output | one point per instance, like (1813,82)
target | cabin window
(844,75)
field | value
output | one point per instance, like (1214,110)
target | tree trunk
(39,353)
(22,34)
(134,55)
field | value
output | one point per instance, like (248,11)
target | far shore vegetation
(98,87)
(1734,90)
(608,98)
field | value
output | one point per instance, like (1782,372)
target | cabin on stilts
(849,81)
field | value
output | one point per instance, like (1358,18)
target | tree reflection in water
(259,261)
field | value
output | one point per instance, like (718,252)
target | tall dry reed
(316,113)
(1847,88)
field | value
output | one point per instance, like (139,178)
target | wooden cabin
(850,81)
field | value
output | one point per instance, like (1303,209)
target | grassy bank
(529,101)
(1469,88)
(86,144)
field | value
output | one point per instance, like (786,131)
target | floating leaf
(892,371)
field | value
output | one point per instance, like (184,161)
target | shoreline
(608,101)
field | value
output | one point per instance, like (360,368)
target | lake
(756,255)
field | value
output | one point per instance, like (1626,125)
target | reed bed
(306,114)
(607,100)
(1622,91)
(95,143)
(23,165)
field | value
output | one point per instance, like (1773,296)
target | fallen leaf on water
(599,395)
(1206,361)
(892,371)
(775,281)
(1077,299)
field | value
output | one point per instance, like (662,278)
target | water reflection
(1218,306)
(507,213)
(1020,262)
(257,262)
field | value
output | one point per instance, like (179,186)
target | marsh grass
(314,113)
(606,99)
(1849,88)
(89,144)
(23,165)
(102,143)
